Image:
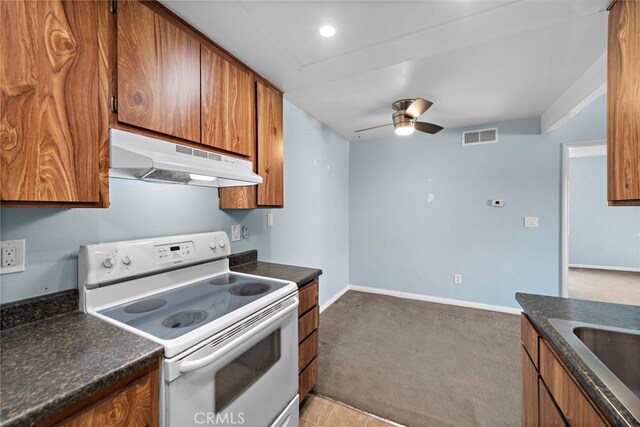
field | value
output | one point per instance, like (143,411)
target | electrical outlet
(269,220)
(235,232)
(8,257)
(457,279)
(12,256)
(245,232)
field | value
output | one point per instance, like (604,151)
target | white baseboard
(420,297)
(605,267)
(334,298)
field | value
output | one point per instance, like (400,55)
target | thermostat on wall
(497,203)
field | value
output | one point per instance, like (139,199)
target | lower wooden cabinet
(132,401)
(308,322)
(529,390)
(551,396)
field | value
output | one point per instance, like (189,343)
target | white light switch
(12,256)
(235,232)
(269,220)
(531,222)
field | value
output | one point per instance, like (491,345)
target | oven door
(247,376)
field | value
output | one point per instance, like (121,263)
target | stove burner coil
(223,280)
(249,289)
(185,318)
(145,306)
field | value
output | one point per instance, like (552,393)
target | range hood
(135,156)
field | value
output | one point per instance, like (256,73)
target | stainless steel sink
(613,354)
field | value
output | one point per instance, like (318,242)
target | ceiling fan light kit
(405,115)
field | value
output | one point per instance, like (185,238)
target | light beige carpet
(621,287)
(420,363)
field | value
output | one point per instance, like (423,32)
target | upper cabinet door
(228,105)
(270,162)
(158,73)
(623,99)
(49,119)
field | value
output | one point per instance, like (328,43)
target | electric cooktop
(168,315)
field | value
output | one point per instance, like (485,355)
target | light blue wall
(316,200)
(419,210)
(599,235)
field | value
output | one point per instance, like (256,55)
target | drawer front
(308,323)
(308,297)
(307,350)
(575,406)
(530,338)
(550,415)
(131,407)
(308,379)
(529,390)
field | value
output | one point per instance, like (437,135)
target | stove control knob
(109,262)
(212,245)
(222,243)
(127,259)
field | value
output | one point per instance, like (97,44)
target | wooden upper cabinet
(270,149)
(158,73)
(623,104)
(228,105)
(50,121)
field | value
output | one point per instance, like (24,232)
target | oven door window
(237,376)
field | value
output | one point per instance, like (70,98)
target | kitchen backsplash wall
(316,165)
(420,213)
(600,235)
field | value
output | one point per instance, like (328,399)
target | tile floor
(321,412)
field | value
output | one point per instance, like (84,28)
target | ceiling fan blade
(417,107)
(427,127)
(374,127)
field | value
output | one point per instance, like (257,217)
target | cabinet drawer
(131,407)
(307,379)
(529,338)
(550,415)
(308,297)
(575,406)
(308,323)
(307,350)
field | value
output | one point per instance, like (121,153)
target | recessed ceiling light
(327,31)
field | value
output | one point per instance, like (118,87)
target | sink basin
(613,354)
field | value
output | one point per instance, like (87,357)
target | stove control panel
(107,263)
(174,252)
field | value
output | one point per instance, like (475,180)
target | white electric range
(230,339)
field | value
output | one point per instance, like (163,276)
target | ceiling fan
(405,117)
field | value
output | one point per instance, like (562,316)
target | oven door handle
(192,365)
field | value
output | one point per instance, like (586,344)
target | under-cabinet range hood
(135,156)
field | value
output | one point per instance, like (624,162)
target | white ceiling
(479,61)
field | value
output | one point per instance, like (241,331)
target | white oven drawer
(247,378)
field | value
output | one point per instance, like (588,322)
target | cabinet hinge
(114,6)
(114,104)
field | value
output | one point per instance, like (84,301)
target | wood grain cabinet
(623,104)
(308,322)
(268,158)
(551,396)
(130,401)
(53,130)
(158,73)
(228,105)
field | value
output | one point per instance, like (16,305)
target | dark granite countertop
(540,308)
(246,262)
(50,364)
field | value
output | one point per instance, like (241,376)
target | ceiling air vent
(480,136)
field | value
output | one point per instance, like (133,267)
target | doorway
(600,244)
